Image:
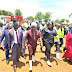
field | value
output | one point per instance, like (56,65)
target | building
(5,18)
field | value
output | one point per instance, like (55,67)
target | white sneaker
(33,58)
(48,63)
(30,64)
(57,56)
(46,57)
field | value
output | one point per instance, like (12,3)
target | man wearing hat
(32,36)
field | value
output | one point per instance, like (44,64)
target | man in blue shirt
(5,34)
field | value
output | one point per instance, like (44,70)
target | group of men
(18,38)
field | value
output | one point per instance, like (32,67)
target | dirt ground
(40,64)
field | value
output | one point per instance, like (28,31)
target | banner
(11,17)
(16,17)
(20,18)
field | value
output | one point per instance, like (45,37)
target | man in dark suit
(5,34)
(15,42)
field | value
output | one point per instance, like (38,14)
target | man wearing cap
(15,42)
(5,34)
(32,36)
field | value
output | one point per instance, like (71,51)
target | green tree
(39,16)
(18,12)
(4,12)
(67,21)
(47,16)
(70,15)
(30,18)
(10,13)
(57,21)
(0,12)
(62,20)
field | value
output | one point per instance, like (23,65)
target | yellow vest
(42,28)
(58,32)
(25,24)
(61,33)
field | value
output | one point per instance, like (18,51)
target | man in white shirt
(15,42)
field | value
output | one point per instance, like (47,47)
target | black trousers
(61,40)
(57,47)
(48,48)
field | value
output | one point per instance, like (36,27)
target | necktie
(17,37)
(8,33)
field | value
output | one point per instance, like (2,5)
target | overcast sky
(59,8)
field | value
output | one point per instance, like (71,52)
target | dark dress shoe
(55,50)
(49,65)
(65,59)
(17,60)
(7,62)
(64,49)
(60,51)
(70,61)
(24,57)
(30,70)
(14,69)
(2,48)
(41,48)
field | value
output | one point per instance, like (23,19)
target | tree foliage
(47,16)
(70,15)
(18,12)
(30,18)
(62,20)
(4,12)
(57,21)
(39,16)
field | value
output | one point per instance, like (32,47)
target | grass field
(40,64)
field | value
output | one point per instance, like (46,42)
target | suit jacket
(11,38)
(5,34)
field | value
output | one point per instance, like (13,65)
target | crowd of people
(18,37)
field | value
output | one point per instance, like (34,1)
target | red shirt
(32,37)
